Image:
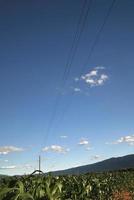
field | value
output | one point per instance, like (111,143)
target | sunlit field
(117,185)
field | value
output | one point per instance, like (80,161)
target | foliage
(117,185)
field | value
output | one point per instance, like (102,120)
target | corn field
(117,185)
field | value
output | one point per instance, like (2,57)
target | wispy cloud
(56,148)
(8,167)
(76,79)
(88,148)
(77,89)
(83,142)
(63,136)
(100,67)
(96,157)
(23,166)
(9,149)
(129,139)
(27,166)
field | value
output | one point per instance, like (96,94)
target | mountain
(119,163)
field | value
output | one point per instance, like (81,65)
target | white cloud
(129,139)
(126,139)
(96,157)
(100,82)
(99,67)
(46,149)
(104,77)
(64,136)
(8,167)
(90,75)
(95,77)
(28,166)
(83,142)
(56,148)
(9,149)
(77,89)
(90,81)
(76,79)
(93,73)
(88,148)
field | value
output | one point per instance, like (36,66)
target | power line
(98,35)
(99,32)
(72,52)
(75,46)
(69,62)
(74,39)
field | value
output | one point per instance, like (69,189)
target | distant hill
(2,176)
(119,163)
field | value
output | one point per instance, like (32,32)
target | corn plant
(93,186)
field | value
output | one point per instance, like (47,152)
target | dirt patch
(122,195)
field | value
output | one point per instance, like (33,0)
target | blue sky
(84,119)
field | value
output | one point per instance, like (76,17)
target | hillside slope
(111,164)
